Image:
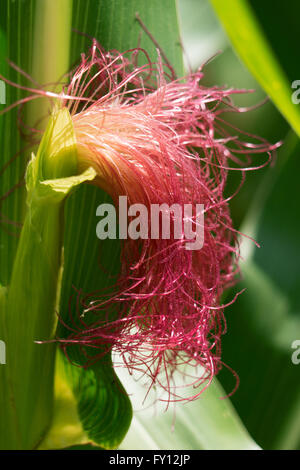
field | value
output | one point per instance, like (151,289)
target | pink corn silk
(158,140)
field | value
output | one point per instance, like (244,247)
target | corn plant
(97,105)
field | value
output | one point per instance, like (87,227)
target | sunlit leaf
(250,43)
(210,422)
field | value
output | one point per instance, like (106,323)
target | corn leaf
(16,25)
(210,422)
(250,43)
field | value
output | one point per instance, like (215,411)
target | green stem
(29,316)
(27,306)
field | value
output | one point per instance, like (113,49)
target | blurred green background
(265,320)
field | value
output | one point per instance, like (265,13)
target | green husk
(27,307)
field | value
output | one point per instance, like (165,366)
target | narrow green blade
(250,43)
